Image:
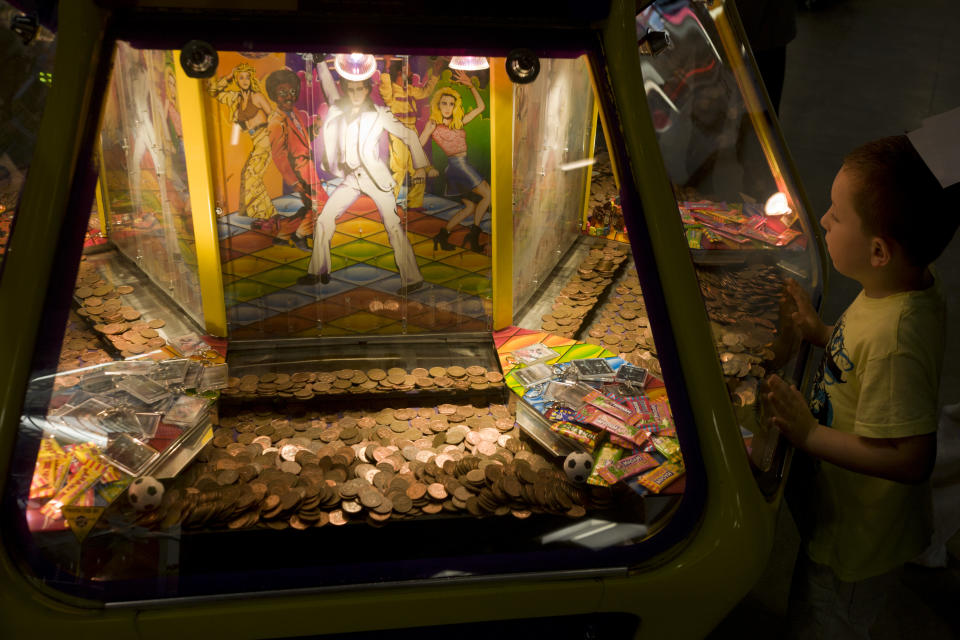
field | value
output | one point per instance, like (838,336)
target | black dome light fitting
(523,66)
(199,59)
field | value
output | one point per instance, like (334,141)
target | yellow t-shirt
(879,379)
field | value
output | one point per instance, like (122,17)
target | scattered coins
(314,469)
(305,385)
(122,325)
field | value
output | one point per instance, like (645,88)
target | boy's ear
(880,252)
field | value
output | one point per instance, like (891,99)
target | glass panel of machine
(744,219)
(362,397)
(143,175)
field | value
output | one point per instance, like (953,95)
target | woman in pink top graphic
(445,126)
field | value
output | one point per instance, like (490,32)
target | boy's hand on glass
(805,318)
(790,414)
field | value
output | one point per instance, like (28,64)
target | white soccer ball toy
(578,466)
(145,494)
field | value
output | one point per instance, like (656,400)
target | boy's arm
(908,460)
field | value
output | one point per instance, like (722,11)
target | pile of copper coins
(622,326)
(305,385)
(121,325)
(579,296)
(603,186)
(80,348)
(269,469)
(743,306)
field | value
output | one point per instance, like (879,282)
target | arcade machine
(450,322)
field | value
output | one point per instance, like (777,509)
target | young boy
(874,406)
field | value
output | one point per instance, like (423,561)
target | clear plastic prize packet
(143,389)
(213,376)
(149,421)
(187,411)
(172,372)
(632,375)
(594,369)
(129,454)
(534,353)
(573,395)
(533,375)
(120,420)
(192,377)
(554,391)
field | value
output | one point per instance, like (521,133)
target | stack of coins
(743,305)
(305,385)
(121,324)
(745,295)
(80,348)
(269,469)
(621,324)
(580,295)
(603,186)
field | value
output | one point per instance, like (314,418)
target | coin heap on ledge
(621,324)
(121,324)
(268,469)
(743,306)
(579,296)
(305,385)
(80,348)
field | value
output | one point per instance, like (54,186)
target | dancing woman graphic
(250,111)
(445,126)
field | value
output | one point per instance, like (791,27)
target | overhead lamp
(355,66)
(469,63)
(777,205)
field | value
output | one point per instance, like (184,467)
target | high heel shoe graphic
(473,239)
(441,239)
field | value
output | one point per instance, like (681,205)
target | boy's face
(847,243)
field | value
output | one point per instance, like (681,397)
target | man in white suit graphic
(351,136)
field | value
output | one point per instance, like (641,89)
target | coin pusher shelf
(541,303)
(295,355)
(147,297)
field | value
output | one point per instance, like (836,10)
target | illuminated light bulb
(469,63)
(355,66)
(777,205)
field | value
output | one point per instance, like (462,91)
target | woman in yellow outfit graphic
(249,110)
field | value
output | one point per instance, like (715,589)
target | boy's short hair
(899,199)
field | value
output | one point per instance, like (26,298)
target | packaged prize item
(187,411)
(605,455)
(143,389)
(610,406)
(560,413)
(589,439)
(172,372)
(83,478)
(573,395)
(627,467)
(657,479)
(213,376)
(669,448)
(49,458)
(149,421)
(533,354)
(533,375)
(192,377)
(632,375)
(593,416)
(129,454)
(594,369)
